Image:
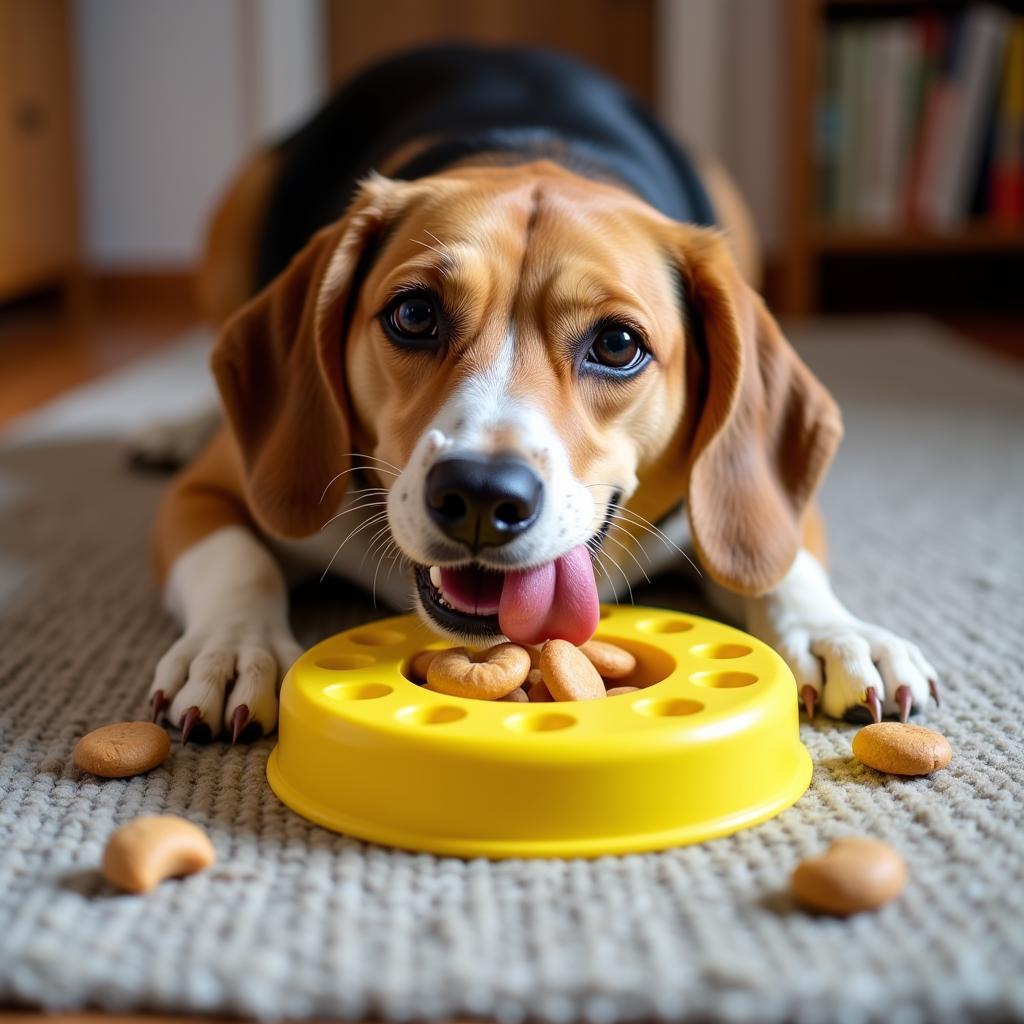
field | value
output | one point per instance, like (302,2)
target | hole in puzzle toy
(721,652)
(377,637)
(345,662)
(432,716)
(605,612)
(653,664)
(665,626)
(541,722)
(358,691)
(670,708)
(723,680)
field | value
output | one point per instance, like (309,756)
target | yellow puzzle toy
(708,746)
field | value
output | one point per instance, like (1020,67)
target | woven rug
(926,507)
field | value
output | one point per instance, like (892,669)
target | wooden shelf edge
(978,239)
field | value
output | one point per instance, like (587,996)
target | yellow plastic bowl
(709,746)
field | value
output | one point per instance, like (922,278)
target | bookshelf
(811,240)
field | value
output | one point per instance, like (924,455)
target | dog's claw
(933,689)
(809,695)
(188,723)
(157,702)
(239,720)
(873,703)
(904,701)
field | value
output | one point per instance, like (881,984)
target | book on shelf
(920,121)
(893,52)
(1007,173)
(974,78)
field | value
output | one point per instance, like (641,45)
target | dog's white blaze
(480,410)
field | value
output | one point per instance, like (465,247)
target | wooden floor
(46,349)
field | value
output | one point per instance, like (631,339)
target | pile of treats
(555,672)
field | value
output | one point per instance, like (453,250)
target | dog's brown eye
(617,348)
(413,318)
(416,317)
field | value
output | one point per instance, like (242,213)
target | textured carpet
(926,506)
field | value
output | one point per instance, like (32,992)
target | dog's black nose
(483,501)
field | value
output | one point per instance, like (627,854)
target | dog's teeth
(435,576)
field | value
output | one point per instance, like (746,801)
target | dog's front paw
(169,444)
(225,677)
(845,664)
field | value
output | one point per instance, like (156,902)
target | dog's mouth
(555,599)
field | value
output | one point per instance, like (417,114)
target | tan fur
(735,423)
(814,535)
(207,495)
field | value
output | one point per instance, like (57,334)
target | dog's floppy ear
(279,367)
(765,432)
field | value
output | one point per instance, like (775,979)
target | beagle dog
(491,345)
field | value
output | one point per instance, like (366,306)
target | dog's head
(531,358)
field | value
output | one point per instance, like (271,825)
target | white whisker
(380,562)
(625,578)
(436,239)
(432,248)
(600,564)
(372,543)
(617,526)
(354,469)
(369,522)
(374,458)
(398,559)
(649,527)
(608,536)
(354,508)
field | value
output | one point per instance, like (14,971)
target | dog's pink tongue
(554,601)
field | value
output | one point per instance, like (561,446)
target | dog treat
(568,674)
(420,665)
(517,696)
(147,850)
(852,875)
(612,662)
(615,691)
(488,675)
(900,749)
(123,749)
(535,688)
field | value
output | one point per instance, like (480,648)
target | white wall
(721,82)
(172,95)
(290,63)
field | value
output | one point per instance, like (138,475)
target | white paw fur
(830,649)
(172,443)
(230,596)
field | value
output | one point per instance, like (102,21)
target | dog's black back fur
(529,103)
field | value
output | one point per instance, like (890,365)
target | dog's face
(530,358)
(517,349)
